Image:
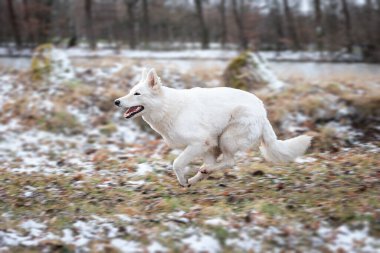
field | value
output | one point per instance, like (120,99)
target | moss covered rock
(50,63)
(249,71)
(41,62)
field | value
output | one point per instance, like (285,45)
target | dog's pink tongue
(131,110)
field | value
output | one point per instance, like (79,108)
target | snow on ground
(266,73)
(31,150)
(81,233)
(202,243)
(126,246)
(191,53)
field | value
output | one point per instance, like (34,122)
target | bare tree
(131,6)
(89,24)
(331,25)
(146,22)
(26,11)
(347,25)
(369,15)
(277,20)
(319,31)
(73,35)
(202,23)
(223,33)
(14,24)
(291,27)
(239,19)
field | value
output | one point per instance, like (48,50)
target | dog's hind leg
(226,163)
(241,134)
(209,160)
(185,158)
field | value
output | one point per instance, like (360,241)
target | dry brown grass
(322,104)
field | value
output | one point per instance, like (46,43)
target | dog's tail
(278,151)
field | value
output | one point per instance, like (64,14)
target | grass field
(76,177)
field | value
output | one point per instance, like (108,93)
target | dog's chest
(173,138)
(170,134)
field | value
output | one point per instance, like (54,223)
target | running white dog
(208,123)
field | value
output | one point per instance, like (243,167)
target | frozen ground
(76,177)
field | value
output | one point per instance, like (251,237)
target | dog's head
(143,97)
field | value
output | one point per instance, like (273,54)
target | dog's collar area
(133,110)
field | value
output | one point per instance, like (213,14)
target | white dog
(208,123)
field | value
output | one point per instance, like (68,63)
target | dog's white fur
(209,123)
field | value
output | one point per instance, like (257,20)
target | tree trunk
(291,26)
(72,25)
(204,30)
(223,33)
(369,26)
(26,11)
(131,4)
(46,22)
(347,25)
(371,49)
(378,22)
(240,23)
(319,31)
(278,24)
(332,26)
(89,24)
(56,30)
(14,24)
(146,22)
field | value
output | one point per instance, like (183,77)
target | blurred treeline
(325,25)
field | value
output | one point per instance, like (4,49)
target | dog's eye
(137,94)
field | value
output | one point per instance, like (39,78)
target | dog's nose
(117,102)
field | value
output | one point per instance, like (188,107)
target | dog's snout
(117,102)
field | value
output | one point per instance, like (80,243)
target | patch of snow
(126,246)
(202,243)
(68,236)
(137,182)
(292,122)
(106,184)
(245,242)
(266,73)
(216,222)
(143,169)
(5,88)
(124,217)
(178,216)
(156,247)
(34,228)
(81,116)
(348,240)
(28,194)
(305,160)
(62,69)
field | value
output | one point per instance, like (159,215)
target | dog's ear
(153,80)
(144,71)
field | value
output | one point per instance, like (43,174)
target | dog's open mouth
(133,110)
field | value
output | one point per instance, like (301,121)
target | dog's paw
(184,183)
(204,170)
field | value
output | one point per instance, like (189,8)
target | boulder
(50,63)
(249,71)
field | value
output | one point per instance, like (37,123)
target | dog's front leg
(184,159)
